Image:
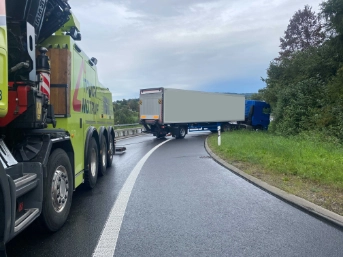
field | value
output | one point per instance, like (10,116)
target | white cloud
(182,43)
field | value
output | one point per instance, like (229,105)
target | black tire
(225,128)
(111,150)
(103,156)
(259,127)
(57,191)
(91,170)
(182,133)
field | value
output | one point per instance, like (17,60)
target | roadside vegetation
(126,111)
(304,165)
(302,152)
(304,83)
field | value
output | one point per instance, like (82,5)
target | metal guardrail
(123,125)
(127,132)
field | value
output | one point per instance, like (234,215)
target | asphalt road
(183,204)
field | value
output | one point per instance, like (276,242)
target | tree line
(304,83)
(126,111)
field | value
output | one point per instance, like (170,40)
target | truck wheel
(182,132)
(111,150)
(57,191)
(91,173)
(103,156)
(225,128)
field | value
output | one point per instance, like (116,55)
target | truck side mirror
(74,34)
(94,60)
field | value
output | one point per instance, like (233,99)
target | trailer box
(177,106)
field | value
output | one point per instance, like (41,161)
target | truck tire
(57,191)
(91,171)
(182,133)
(111,150)
(225,128)
(103,156)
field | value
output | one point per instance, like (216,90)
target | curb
(302,204)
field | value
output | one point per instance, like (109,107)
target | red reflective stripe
(77,102)
(46,80)
(44,91)
(2,7)
(45,84)
(45,87)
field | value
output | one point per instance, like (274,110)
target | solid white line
(109,236)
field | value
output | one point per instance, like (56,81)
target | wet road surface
(182,204)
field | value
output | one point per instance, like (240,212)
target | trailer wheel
(91,173)
(103,156)
(182,132)
(57,191)
(111,150)
(225,128)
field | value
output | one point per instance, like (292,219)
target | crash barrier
(127,132)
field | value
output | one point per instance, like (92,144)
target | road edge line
(109,236)
(301,203)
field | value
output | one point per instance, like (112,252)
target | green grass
(305,158)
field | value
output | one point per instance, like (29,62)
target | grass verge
(301,166)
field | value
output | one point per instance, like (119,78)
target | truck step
(26,218)
(6,157)
(25,183)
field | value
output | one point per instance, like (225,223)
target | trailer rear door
(151,104)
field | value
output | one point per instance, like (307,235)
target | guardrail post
(219,138)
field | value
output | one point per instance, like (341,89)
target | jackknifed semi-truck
(172,111)
(56,119)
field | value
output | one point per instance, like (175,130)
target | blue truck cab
(257,114)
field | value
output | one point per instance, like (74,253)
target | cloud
(200,45)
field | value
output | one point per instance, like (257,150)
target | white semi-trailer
(168,110)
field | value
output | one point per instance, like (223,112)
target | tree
(332,11)
(126,111)
(133,104)
(304,30)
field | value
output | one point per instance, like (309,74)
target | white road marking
(109,236)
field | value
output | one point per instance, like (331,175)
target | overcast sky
(213,46)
